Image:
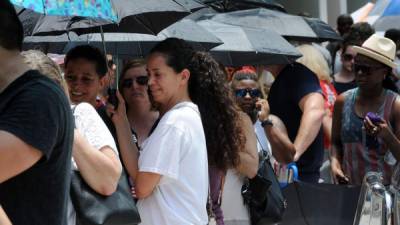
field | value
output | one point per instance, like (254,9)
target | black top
(293,83)
(35,109)
(343,87)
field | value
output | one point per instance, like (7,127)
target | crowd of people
(186,130)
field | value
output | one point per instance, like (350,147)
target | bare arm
(100,169)
(312,106)
(145,182)
(249,156)
(3,218)
(15,156)
(391,138)
(337,147)
(282,148)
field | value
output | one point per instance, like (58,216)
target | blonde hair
(37,60)
(315,61)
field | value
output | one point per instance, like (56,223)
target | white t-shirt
(177,151)
(92,127)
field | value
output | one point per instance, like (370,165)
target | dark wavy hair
(209,91)
(219,113)
(11,31)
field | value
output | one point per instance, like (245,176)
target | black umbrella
(234,5)
(247,46)
(323,31)
(126,44)
(290,26)
(134,16)
(316,204)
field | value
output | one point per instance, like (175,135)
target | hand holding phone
(375,118)
(112,97)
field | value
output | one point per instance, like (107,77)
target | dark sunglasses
(366,69)
(347,57)
(141,80)
(254,93)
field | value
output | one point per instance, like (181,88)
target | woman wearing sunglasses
(362,143)
(134,89)
(345,79)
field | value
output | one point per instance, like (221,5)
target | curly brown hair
(219,112)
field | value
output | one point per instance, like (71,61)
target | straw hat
(380,49)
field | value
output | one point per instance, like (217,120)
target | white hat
(379,48)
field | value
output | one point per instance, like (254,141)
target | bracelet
(267,122)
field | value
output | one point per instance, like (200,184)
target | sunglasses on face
(254,93)
(365,69)
(141,80)
(347,57)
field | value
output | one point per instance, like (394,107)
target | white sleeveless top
(232,205)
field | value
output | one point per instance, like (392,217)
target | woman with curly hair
(197,120)
(231,141)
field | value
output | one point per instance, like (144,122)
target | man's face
(83,81)
(247,93)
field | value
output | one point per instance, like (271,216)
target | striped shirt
(359,157)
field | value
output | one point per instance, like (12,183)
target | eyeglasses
(141,80)
(254,93)
(366,69)
(347,57)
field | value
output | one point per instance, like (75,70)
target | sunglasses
(366,69)
(141,80)
(254,93)
(347,57)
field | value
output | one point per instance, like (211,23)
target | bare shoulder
(244,118)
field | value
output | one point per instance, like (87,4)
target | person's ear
(185,75)
(103,81)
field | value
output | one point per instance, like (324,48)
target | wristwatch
(267,122)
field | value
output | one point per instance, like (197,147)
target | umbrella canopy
(95,8)
(390,17)
(126,44)
(234,5)
(316,204)
(138,16)
(290,26)
(247,46)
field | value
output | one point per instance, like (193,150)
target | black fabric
(95,209)
(293,83)
(110,125)
(343,87)
(316,204)
(35,109)
(263,195)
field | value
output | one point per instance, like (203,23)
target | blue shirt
(293,83)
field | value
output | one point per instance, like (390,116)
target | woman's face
(369,72)
(348,58)
(247,92)
(134,86)
(164,82)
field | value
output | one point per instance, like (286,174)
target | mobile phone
(342,180)
(375,118)
(112,97)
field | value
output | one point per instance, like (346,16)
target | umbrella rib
(144,25)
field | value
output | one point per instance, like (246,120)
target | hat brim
(374,55)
